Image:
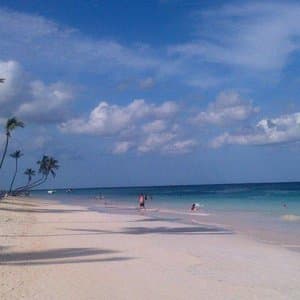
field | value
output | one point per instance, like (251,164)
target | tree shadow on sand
(4,247)
(176,230)
(159,230)
(156,219)
(58,256)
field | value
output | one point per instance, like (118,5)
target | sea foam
(290,218)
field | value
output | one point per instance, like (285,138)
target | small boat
(50,192)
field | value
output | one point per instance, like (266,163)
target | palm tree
(10,125)
(42,170)
(47,165)
(29,172)
(16,155)
(52,165)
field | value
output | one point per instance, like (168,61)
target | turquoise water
(266,198)
(268,212)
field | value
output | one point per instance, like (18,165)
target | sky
(168,92)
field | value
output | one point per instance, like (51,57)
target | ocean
(269,212)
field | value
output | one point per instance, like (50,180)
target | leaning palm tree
(52,165)
(16,155)
(29,172)
(47,165)
(42,170)
(10,125)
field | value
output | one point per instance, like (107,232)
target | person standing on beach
(142,201)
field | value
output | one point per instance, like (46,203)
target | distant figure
(195,206)
(284,205)
(142,201)
(100,196)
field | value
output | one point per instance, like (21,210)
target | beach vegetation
(10,125)
(16,155)
(47,166)
(29,173)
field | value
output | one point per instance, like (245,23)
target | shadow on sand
(158,219)
(58,256)
(19,203)
(195,230)
(176,230)
(159,230)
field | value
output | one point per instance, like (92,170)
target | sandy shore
(55,251)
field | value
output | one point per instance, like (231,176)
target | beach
(50,250)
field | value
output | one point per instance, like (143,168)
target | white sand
(55,252)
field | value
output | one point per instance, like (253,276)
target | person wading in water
(141,201)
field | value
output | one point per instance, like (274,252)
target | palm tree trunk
(29,186)
(32,185)
(38,183)
(5,150)
(28,183)
(13,180)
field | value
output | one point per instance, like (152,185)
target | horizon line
(168,185)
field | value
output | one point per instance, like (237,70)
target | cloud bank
(228,108)
(29,99)
(255,35)
(284,129)
(145,127)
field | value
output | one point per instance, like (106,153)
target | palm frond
(13,123)
(17,154)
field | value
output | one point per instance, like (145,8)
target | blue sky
(153,92)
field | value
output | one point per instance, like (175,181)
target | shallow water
(267,212)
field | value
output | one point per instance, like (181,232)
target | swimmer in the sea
(195,206)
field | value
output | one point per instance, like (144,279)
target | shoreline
(51,250)
(246,225)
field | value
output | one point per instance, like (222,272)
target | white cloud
(256,35)
(166,109)
(31,100)
(47,104)
(284,129)
(154,126)
(229,107)
(14,84)
(164,137)
(156,141)
(108,120)
(140,126)
(40,39)
(166,142)
(122,147)
(181,147)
